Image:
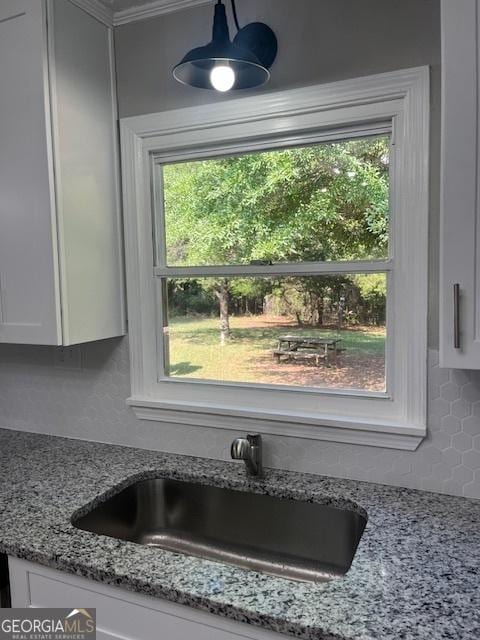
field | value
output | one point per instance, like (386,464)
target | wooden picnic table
(306,347)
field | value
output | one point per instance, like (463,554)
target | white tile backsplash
(90,404)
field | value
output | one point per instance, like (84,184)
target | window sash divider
(283,269)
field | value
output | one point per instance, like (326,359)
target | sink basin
(286,538)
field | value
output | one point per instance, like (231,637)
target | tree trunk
(320,309)
(312,321)
(223,296)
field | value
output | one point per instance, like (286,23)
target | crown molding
(96,9)
(152,9)
(142,11)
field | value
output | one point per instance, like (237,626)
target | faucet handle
(239,448)
(254,439)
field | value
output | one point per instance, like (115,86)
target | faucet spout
(249,450)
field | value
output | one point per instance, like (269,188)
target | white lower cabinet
(121,614)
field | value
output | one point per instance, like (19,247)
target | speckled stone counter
(415,575)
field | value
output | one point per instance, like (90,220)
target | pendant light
(223,65)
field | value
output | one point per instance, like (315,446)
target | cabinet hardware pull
(456,316)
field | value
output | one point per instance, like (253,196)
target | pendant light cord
(235,17)
(234,11)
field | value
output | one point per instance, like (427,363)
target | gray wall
(320,41)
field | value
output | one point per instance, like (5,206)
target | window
(301,208)
(285,287)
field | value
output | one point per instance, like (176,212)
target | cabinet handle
(456,316)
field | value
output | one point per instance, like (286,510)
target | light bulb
(222,78)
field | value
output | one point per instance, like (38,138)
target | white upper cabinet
(460,216)
(61,276)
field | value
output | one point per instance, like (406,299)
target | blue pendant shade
(196,67)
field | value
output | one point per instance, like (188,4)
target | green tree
(323,202)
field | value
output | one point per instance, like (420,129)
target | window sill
(332,428)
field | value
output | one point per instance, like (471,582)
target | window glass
(324,331)
(325,202)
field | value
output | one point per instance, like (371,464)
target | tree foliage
(323,202)
(326,202)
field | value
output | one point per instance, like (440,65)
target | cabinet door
(121,614)
(29,292)
(460,223)
(86,174)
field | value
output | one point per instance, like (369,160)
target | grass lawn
(196,352)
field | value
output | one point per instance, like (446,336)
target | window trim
(400,97)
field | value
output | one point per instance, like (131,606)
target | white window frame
(396,419)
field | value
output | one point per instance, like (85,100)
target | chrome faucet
(249,450)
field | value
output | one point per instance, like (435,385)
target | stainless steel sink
(287,538)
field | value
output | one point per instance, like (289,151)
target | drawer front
(120,613)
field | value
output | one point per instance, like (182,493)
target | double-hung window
(276,261)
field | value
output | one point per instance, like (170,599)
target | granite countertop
(415,574)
